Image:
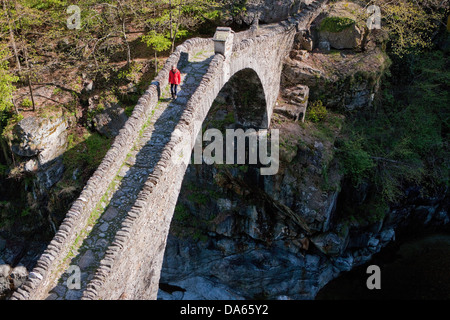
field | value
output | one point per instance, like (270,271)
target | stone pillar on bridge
(223,41)
(223,44)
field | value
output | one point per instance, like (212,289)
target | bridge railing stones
(78,215)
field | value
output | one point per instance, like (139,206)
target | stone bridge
(115,232)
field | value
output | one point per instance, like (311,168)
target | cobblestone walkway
(91,245)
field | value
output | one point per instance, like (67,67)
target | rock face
(352,85)
(269,11)
(45,138)
(297,102)
(110,120)
(348,38)
(40,143)
(232,236)
(238,235)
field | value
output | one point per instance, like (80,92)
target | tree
(11,28)
(6,95)
(411,24)
(6,82)
(157,42)
(178,17)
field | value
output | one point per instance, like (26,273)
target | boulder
(45,138)
(349,38)
(307,43)
(110,120)
(329,243)
(352,85)
(5,270)
(19,275)
(341,26)
(297,102)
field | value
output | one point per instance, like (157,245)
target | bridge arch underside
(245,92)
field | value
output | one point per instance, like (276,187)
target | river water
(412,269)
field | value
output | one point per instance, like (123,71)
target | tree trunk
(11,36)
(156,62)
(125,40)
(28,77)
(170,21)
(178,25)
(122,16)
(15,106)
(31,92)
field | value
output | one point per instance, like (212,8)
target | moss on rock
(336,24)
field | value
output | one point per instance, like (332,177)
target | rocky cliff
(239,235)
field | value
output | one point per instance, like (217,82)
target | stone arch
(245,91)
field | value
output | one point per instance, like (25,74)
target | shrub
(317,111)
(181,213)
(356,163)
(26,103)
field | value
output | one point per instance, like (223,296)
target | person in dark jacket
(174,80)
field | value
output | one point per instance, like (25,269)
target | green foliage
(236,8)
(404,142)
(129,111)
(336,24)
(199,236)
(26,103)
(131,73)
(317,111)
(198,198)
(410,24)
(243,168)
(6,82)
(156,41)
(12,120)
(181,213)
(355,162)
(44,5)
(3,170)
(25,212)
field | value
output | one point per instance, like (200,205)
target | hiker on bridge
(174,80)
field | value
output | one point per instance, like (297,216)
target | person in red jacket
(174,80)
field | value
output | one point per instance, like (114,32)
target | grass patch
(85,152)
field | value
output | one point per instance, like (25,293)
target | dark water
(414,269)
